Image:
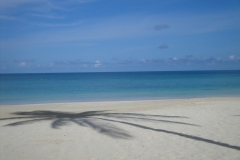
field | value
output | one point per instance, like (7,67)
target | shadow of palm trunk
(179,134)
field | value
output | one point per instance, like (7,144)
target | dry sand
(207,128)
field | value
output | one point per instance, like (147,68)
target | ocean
(110,86)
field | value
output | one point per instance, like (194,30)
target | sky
(43,36)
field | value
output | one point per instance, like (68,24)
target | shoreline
(123,100)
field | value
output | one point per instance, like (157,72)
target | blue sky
(118,35)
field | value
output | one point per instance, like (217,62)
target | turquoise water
(73,87)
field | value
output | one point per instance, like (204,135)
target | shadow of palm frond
(89,119)
(60,119)
(103,122)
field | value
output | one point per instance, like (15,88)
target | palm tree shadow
(103,123)
(60,119)
(89,119)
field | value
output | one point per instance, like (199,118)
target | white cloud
(188,60)
(97,63)
(131,26)
(44,9)
(11,18)
(14,3)
(22,64)
(231,57)
(45,65)
(83,31)
(47,16)
(5,4)
(144,61)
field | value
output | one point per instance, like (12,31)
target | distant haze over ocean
(108,86)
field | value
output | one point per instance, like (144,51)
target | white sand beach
(204,128)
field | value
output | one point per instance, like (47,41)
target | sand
(204,128)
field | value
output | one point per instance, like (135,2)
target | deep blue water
(65,87)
